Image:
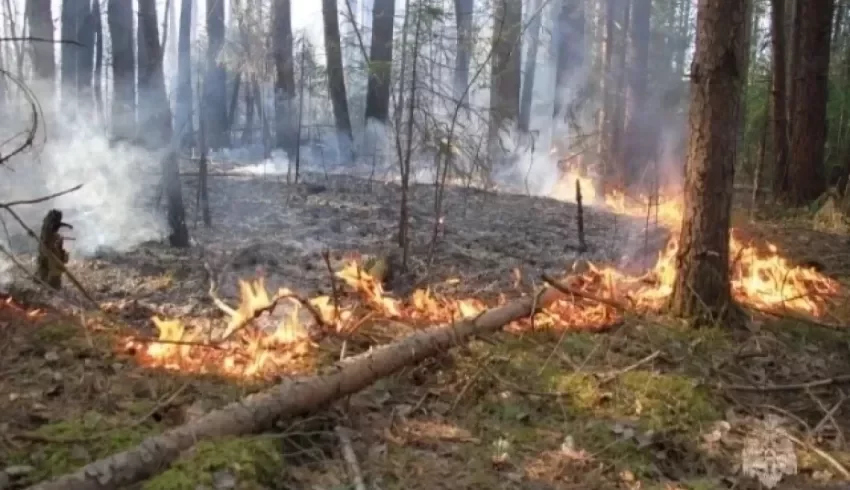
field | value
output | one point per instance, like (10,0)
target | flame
(760,277)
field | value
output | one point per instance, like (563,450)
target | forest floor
(640,403)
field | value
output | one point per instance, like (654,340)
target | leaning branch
(291,398)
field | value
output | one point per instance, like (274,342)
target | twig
(9,204)
(41,40)
(610,376)
(349,457)
(791,387)
(582,244)
(567,290)
(823,454)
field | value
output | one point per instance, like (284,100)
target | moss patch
(254,462)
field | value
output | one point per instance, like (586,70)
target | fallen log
(293,397)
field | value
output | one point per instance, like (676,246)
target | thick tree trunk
(530,66)
(285,77)
(569,46)
(638,147)
(463,18)
(616,15)
(779,99)
(215,86)
(119,16)
(380,61)
(184,120)
(701,289)
(293,397)
(808,132)
(40,22)
(505,75)
(336,77)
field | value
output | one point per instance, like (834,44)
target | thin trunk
(97,28)
(234,102)
(530,67)
(380,61)
(70,23)
(701,290)
(248,131)
(85,53)
(638,147)
(336,77)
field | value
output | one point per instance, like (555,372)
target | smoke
(114,208)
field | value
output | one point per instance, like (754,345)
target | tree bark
(215,86)
(85,53)
(119,16)
(40,20)
(779,99)
(71,20)
(336,77)
(530,67)
(184,120)
(808,132)
(380,61)
(285,77)
(569,46)
(156,122)
(293,397)
(637,144)
(97,28)
(701,290)
(505,75)
(463,19)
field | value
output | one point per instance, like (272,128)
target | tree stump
(52,255)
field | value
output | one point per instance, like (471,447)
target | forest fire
(761,278)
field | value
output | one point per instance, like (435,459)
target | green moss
(75,442)
(55,334)
(253,461)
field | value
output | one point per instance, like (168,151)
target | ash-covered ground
(262,224)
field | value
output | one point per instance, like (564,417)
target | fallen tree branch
(791,387)
(350,457)
(295,396)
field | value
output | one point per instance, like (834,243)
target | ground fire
(762,279)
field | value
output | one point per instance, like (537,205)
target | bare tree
(569,46)
(637,144)
(380,61)
(119,16)
(284,76)
(808,132)
(530,67)
(701,289)
(214,109)
(463,15)
(505,76)
(184,119)
(336,77)
(779,99)
(40,21)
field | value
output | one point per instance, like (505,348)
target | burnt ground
(648,405)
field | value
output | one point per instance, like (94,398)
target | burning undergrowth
(271,331)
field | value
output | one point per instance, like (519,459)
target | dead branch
(582,244)
(40,200)
(349,456)
(819,383)
(295,396)
(563,288)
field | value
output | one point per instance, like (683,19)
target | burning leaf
(169,330)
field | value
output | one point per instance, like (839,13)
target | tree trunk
(248,131)
(638,147)
(71,22)
(793,23)
(291,398)
(530,67)
(779,99)
(40,20)
(156,122)
(336,77)
(701,289)
(615,18)
(285,77)
(215,87)
(85,53)
(808,133)
(184,120)
(380,61)
(97,28)
(119,16)
(463,16)
(505,75)
(569,46)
